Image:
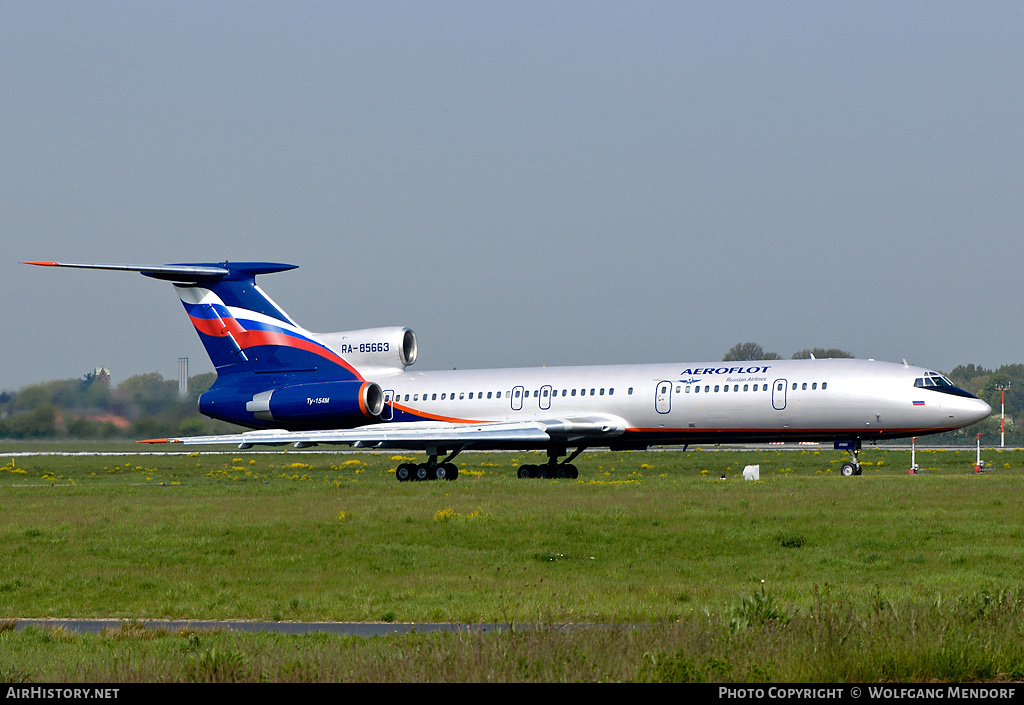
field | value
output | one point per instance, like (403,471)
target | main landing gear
(430,470)
(553,469)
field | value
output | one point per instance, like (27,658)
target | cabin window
(517,394)
(804,385)
(716,387)
(814,385)
(824,385)
(687,389)
(794,386)
(745,387)
(462,395)
(677,389)
(591,392)
(574,392)
(707,388)
(630,391)
(696,390)
(726,388)
(611,391)
(545,394)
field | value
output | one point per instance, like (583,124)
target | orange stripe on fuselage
(435,417)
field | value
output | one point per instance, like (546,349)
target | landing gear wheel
(524,471)
(849,468)
(540,471)
(422,472)
(404,472)
(451,472)
(439,472)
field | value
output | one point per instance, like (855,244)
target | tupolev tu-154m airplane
(300,388)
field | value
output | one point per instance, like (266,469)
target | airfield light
(913,456)
(1002,413)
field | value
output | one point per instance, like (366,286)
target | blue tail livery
(256,348)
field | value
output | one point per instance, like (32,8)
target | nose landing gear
(850,467)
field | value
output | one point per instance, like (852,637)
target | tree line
(143,406)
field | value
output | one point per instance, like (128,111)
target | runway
(95,626)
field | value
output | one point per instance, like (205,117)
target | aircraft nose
(975,410)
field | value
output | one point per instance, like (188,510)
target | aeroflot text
(724,370)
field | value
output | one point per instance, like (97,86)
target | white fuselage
(695,402)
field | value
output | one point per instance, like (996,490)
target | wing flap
(421,434)
(395,435)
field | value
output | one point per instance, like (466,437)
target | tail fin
(243,330)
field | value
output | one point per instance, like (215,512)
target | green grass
(977,638)
(642,538)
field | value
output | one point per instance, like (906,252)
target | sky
(521,183)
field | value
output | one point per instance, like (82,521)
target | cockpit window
(940,383)
(933,379)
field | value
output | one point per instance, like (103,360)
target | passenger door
(663,397)
(779,394)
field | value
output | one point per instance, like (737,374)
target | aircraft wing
(419,435)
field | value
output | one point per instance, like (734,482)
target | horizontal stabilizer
(182,272)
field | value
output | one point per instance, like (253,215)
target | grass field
(652,539)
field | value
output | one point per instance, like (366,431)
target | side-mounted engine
(311,406)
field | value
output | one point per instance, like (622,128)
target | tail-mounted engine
(373,349)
